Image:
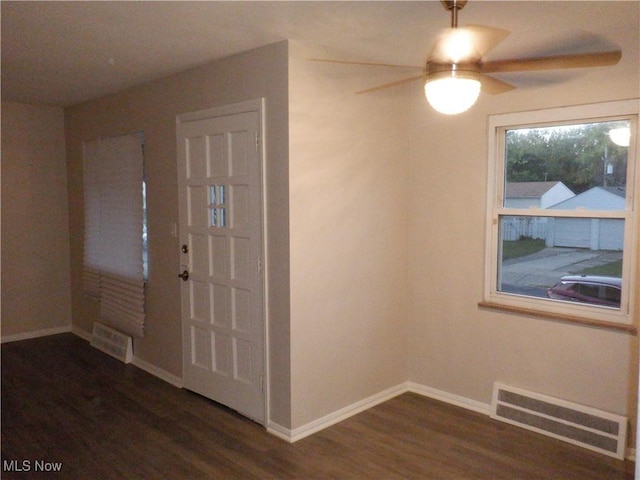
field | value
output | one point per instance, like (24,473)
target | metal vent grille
(584,426)
(112,342)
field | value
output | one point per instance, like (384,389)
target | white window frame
(547,308)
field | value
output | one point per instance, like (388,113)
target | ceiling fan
(455,72)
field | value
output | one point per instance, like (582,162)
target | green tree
(580,156)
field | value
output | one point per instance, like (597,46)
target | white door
(219,181)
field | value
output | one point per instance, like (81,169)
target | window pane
(567,167)
(213,217)
(212,195)
(542,253)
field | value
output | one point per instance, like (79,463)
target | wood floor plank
(65,402)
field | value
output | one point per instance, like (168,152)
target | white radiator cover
(587,427)
(112,342)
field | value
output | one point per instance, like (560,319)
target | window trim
(618,319)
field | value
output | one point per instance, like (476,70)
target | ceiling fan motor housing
(451,4)
(437,70)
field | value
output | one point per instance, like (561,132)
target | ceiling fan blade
(486,38)
(392,84)
(493,86)
(577,60)
(467,43)
(368,64)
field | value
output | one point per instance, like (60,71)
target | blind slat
(126,322)
(130,303)
(91,282)
(113,264)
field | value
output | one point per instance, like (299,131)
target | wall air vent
(577,424)
(112,342)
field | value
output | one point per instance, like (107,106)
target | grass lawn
(613,269)
(521,248)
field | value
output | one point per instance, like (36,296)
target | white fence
(514,228)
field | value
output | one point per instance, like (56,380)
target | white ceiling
(62,53)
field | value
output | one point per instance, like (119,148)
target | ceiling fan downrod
(453,6)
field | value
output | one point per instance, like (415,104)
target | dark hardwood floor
(66,405)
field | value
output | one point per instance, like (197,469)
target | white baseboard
(35,334)
(335,417)
(450,398)
(279,431)
(81,333)
(141,364)
(158,372)
(358,407)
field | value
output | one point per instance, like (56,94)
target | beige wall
(453,345)
(152,109)
(376,230)
(387,240)
(347,226)
(35,236)
(348,177)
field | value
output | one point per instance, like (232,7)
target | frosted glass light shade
(452,95)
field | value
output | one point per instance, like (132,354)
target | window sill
(619,327)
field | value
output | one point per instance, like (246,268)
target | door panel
(221,226)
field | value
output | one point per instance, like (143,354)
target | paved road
(533,274)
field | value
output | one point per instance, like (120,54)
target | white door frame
(257,105)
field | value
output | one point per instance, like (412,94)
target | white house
(535,194)
(593,233)
(531,195)
(596,198)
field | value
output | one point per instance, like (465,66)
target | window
(115,232)
(561,227)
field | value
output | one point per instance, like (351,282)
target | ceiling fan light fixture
(452,92)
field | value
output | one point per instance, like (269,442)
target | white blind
(113,201)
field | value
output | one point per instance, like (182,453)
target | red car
(592,289)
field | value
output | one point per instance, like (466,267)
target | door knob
(184,275)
